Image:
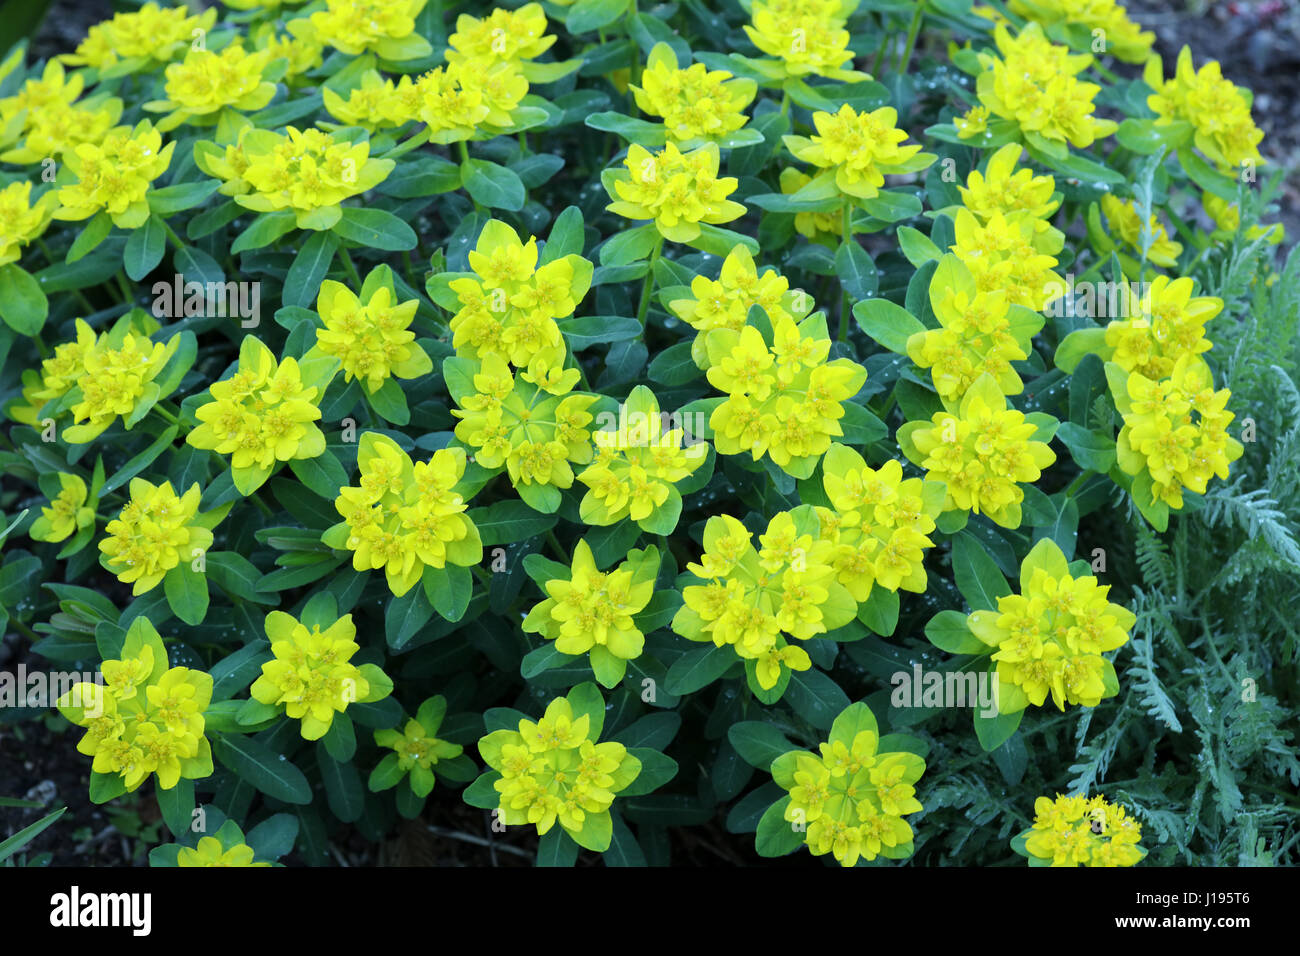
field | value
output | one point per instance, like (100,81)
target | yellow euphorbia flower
(370,335)
(416,750)
(1050,638)
(152,34)
(210,852)
(22,220)
(1218,110)
(55,88)
(784,400)
(1004,255)
(1002,188)
(850,799)
(554,771)
(806,38)
(983,452)
(145,718)
(525,421)
(637,466)
(1082,831)
(677,190)
(403,516)
(308,172)
(1034,84)
(1227,220)
(205,83)
(155,532)
(821,227)
(1175,432)
(1126,225)
(508,308)
(58,129)
(115,175)
(724,303)
(67,512)
(1169,323)
(302,53)
(383,27)
(696,103)
(263,414)
(1121,37)
(878,524)
(503,36)
(858,149)
(594,611)
(753,598)
(973,122)
(311,674)
(461,100)
(373,105)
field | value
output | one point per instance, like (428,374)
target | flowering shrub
(696,376)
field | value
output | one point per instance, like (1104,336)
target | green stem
(166,414)
(555,543)
(649,282)
(847,230)
(170,232)
(785,102)
(635,73)
(351,268)
(24,630)
(464,150)
(912,32)
(879,58)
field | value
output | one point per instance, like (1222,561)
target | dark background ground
(1258,44)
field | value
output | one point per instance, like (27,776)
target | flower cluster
(1218,110)
(785,400)
(753,597)
(403,516)
(858,149)
(210,852)
(824,228)
(508,308)
(594,611)
(50,120)
(851,797)
(554,771)
(1003,189)
(308,172)
(1169,323)
(155,532)
(1050,638)
(1081,831)
(311,673)
(677,190)
(983,453)
(457,101)
(878,524)
(21,220)
(370,334)
(526,421)
(383,27)
(151,35)
(146,718)
(416,750)
(1034,83)
(262,415)
(696,102)
(1175,432)
(1126,225)
(503,36)
(1005,254)
(114,174)
(724,303)
(806,37)
(205,83)
(68,512)
(1124,39)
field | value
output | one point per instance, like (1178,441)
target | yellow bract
(859,148)
(210,852)
(695,102)
(1083,831)
(205,83)
(155,532)
(21,220)
(370,335)
(1106,20)
(384,27)
(677,190)
(114,175)
(1126,224)
(151,34)
(1168,323)
(67,512)
(806,38)
(1218,110)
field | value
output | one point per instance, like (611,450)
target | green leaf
(187,592)
(556,848)
(94,232)
(405,616)
(509,521)
(449,590)
(1092,450)
(993,732)
(815,697)
(177,805)
(887,323)
(698,669)
(141,461)
(389,401)
(775,836)
(343,789)
(375,229)
(758,743)
(170,200)
(978,578)
(856,272)
(23,305)
(269,772)
(309,268)
(493,186)
(264,230)
(29,833)
(144,248)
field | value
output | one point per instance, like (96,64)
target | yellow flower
(1082,831)
(983,453)
(463,99)
(879,523)
(1175,432)
(821,227)
(637,466)
(370,335)
(1218,110)
(302,53)
(1126,224)
(67,512)
(311,673)
(205,83)
(806,37)
(851,799)
(753,598)
(859,149)
(416,750)
(554,771)
(21,220)
(1034,84)
(1004,255)
(1169,323)
(54,131)
(508,308)
(1050,638)
(503,36)
(677,190)
(403,516)
(145,718)
(152,34)
(115,175)
(309,172)
(594,611)
(383,27)
(373,105)
(1002,188)
(973,122)
(55,88)
(1227,220)
(262,415)
(1122,38)
(784,400)
(210,851)
(696,103)
(155,532)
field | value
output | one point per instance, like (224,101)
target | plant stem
(555,543)
(879,58)
(847,231)
(464,150)
(351,267)
(649,282)
(171,233)
(912,31)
